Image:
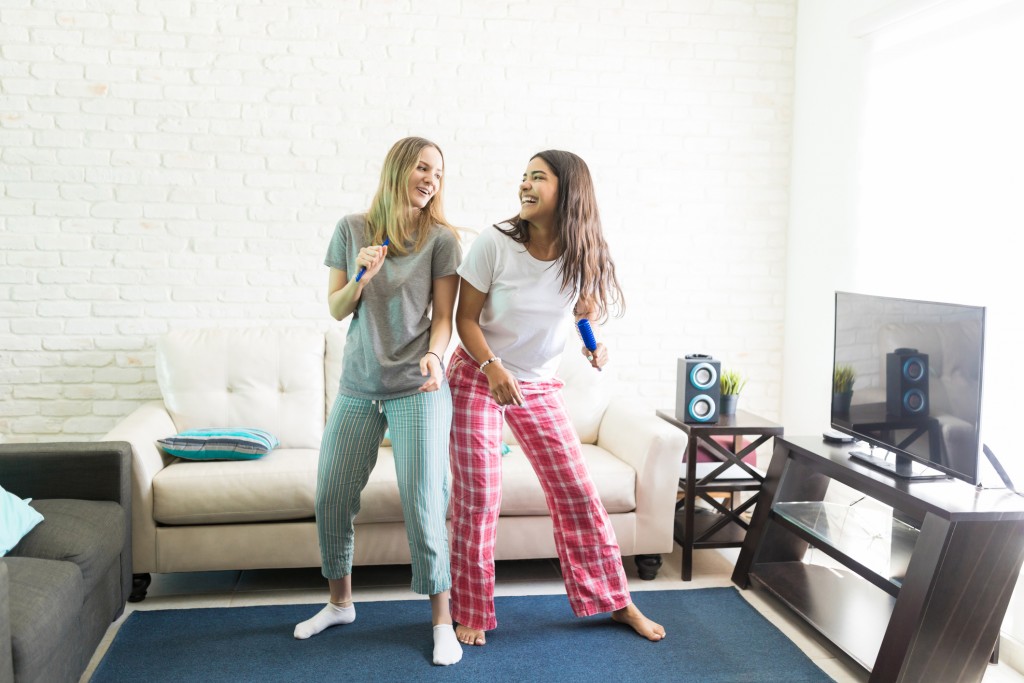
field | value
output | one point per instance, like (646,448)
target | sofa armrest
(74,470)
(77,470)
(141,429)
(6,654)
(655,449)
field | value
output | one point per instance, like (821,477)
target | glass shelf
(874,539)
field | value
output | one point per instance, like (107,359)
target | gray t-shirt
(390,328)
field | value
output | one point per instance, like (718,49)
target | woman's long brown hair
(389,211)
(586,264)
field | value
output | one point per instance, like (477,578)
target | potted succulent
(731,384)
(843,378)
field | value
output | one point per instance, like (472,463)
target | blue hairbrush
(587,335)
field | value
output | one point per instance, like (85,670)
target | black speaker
(906,383)
(697,390)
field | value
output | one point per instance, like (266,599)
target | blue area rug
(713,636)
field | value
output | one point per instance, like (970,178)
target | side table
(723,528)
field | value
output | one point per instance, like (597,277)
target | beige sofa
(216,515)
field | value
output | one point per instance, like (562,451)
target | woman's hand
(371,258)
(430,365)
(598,358)
(504,387)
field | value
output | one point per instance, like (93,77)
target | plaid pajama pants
(589,553)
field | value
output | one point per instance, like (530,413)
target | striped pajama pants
(420,425)
(589,553)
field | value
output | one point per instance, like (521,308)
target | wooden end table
(723,527)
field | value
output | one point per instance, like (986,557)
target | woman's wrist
(437,356)
(489,361)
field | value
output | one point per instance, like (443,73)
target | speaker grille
(703,375)
(702,408)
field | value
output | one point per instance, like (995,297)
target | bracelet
(435,356)
(488,362)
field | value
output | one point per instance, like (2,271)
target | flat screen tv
(915,397)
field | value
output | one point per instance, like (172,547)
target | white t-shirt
(526,318)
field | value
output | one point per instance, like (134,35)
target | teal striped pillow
(220,444)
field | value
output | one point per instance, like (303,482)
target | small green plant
(843,379)
(732,382)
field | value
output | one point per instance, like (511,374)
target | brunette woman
(523,283)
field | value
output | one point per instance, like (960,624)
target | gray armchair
(64,584)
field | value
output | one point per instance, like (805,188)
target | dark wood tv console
(918,594)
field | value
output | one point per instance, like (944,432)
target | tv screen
(907,379)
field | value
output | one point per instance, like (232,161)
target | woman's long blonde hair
(586,264)
(389,214)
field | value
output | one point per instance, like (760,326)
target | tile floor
(712,568)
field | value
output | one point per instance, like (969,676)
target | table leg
(689,503)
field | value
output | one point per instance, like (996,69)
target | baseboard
(1011,652)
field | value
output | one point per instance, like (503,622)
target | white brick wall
(167,164)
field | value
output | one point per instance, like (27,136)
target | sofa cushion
(521,493)
(279,486)
(270,378)
(45,603)
(380,501)
(86,533)
(585,393)
(282,486)
(220,444)
(17,518)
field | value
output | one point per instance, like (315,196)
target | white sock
(330,615)
(447,649)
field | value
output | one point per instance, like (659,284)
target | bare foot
(631,616)
(470,636)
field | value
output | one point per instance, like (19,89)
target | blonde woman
(523,283)
(393,270)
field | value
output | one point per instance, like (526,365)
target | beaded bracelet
(488,362)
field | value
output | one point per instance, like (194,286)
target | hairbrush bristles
(587,334)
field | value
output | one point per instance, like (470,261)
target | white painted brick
(11,34)
(56,37)
(28,18)
(27,53)
(56,174)
(204,151)
(76,17)
(18,85)
(60,208)
(31,191)
(12,408)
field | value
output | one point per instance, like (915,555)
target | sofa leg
(140,584)
(647,566)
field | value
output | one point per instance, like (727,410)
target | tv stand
(931,609)
(902,467)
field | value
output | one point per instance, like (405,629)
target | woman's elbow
(464,325)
